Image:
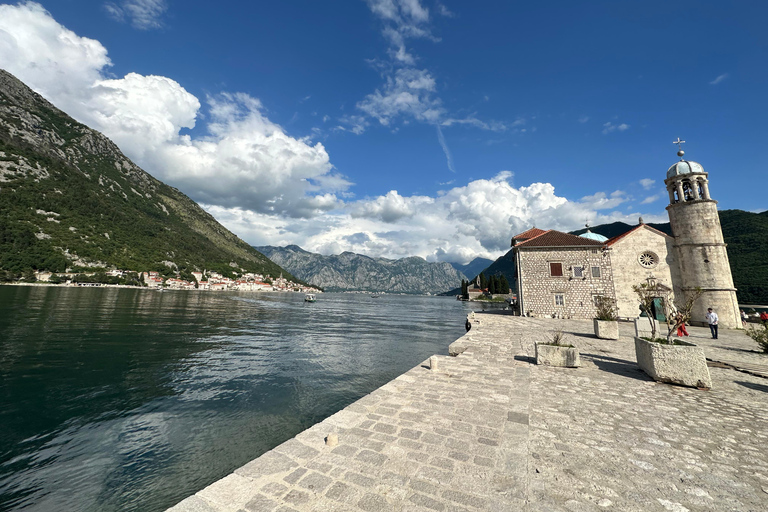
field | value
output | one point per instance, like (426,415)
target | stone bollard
(332,440)
(433,363)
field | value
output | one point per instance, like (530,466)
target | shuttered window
(555,269)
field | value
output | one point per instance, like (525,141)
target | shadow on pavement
(752,385)
(617,366)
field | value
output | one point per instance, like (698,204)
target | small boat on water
(374,296)
(310,297)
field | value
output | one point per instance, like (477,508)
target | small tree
(605,308)
(647,293)
(760,336)
(683,315)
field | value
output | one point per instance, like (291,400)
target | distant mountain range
(474,267)
(69,198)
(355,272)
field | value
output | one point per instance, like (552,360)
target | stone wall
(629,271)
(703,259)
(538,288)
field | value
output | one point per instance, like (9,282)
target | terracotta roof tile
(526,235)
(554,238)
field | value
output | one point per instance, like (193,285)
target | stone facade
(699,247)
(636,256)
(539,289)
(694,257)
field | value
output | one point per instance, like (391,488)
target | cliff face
(70,198)
(355,272)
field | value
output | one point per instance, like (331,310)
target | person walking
(764,317)
(743,318)
(712,321)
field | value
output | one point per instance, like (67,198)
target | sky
(411,127)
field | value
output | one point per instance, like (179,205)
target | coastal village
(209,281)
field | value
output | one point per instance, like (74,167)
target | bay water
(131,400)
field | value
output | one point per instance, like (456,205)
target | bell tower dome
(699,248)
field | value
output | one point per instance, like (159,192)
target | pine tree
(504,284)
(483,281)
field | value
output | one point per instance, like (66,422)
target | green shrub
(760,336)
(605,308)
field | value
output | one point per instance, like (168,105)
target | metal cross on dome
(679,143)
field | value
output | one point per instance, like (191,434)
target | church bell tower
(699,248)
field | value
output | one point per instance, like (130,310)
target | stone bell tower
(698,247)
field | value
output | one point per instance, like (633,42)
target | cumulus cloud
(602,201)
(647,183)
(719,79)
(407,92)
(610,127)
(477,219)
(243,159)
(141,14)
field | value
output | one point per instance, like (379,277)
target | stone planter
(555,355)
(606,329)
(675,364)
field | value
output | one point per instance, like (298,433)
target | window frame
(579,272)
(551,274)
(599,272)
(562,299)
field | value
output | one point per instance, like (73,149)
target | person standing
(712,321)
(743,318)
(680,320)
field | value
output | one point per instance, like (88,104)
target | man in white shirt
(712,321)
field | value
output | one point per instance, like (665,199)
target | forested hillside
(70,199)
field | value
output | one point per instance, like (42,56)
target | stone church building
(559,274)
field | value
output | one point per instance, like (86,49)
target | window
(559,299)
(595,271)
(578,271)
(555,269)
(648,259)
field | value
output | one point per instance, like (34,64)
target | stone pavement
(487,430)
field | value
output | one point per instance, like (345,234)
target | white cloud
(408,91)
(601,201)
(141,14)
(244,160)
(477,219)
(448,156)
(650,199)
(719,79)
(583,119)
(610,127)
(647,183)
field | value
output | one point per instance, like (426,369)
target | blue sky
(410,127)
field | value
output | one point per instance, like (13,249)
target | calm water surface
(133,399)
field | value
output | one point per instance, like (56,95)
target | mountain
(70,199)
(355,272)
(746,234)
(472,268)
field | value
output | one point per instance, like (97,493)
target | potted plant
(666,359)
(606,321)
(556,352)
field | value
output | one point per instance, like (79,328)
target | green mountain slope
(70,198)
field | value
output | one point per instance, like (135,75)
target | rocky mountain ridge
(355,272)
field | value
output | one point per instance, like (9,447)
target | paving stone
(490,431)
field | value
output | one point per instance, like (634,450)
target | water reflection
(132,399)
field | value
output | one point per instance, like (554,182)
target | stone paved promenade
(488,430)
